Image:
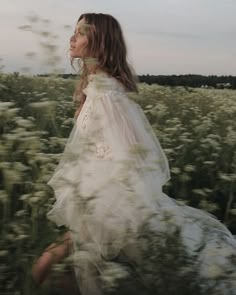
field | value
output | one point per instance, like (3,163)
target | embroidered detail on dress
(103,150)
(86,116)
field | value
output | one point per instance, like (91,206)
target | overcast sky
(163,36)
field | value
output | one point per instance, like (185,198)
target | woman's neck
(94,70)
(93,66)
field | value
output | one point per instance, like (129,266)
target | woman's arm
(54,253)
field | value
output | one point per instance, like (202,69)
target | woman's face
(79,41)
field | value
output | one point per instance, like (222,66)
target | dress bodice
(98,85)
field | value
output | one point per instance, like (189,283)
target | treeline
(189,80)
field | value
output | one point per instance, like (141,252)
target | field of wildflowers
(196,128)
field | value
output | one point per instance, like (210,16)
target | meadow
(196,128)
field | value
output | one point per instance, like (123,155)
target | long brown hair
(106,44)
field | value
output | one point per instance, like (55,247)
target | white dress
(108,189)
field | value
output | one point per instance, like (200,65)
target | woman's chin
(73,54)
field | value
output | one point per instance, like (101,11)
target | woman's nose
(72,38)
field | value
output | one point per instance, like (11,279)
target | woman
(108,187)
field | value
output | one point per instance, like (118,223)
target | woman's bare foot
(52,254)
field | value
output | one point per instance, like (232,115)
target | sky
(164,37)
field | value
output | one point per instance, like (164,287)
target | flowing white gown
(108,189)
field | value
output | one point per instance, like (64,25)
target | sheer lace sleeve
(128,136)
